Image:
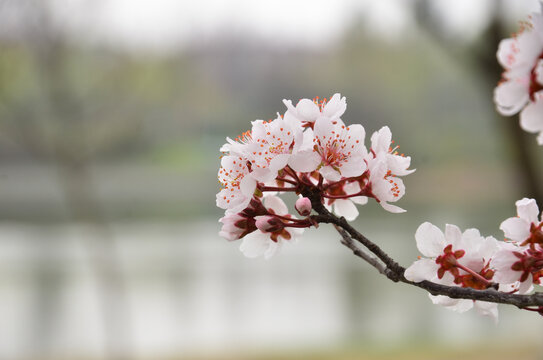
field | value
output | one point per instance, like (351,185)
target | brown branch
(395,272)
(348,242)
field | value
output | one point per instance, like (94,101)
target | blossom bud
(303,206)
(268,223)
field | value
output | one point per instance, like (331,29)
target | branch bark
(395,272)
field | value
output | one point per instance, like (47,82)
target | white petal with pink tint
(510,97)
(305,161)
(516,229)
(527,209)
(258,244)
(430,240)
(453,235)
(506,53)
(308,110)
(276,204)
(531,118)
(330,174)
(335,107)
(345,208)
(420,270)
(340,147)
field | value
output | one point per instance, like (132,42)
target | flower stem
(360,193)
(474,274)
(287,181)
(277,188)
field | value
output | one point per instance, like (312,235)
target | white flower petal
(272,249)
(516,229)
(430,240)
(423,269)
(276,204)
(247,186)
(539,72)
(443,300)
(461,306)
(305,161)
(279,162)
(527,209)
(360,200)
(255,244)
(453,235)
(398,164)
(308,110)
(323,128)
(531,118)
(330,173)
(381,140)
(345,208)
(392,208)
(510,97)
(505,52)
(486,308)
(335,107)
(502,262)
(353,166)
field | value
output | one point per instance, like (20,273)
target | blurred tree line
(90,110)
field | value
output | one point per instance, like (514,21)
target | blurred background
(112,113)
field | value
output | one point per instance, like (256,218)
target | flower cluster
(521,88)
(307,150)
(470,260)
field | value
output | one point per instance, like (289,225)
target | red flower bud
(268,223)
(303,206)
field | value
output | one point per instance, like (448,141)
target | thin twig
(348,242)
(395,272)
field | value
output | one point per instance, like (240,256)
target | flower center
(320,103)
(448,261)
(536,236)
(535,86)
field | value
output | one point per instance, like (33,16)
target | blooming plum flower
(385,186)
(339,148)
(271,147)
(381,142)
(531,118)
(522,81)
(268,147)
(308,111)
(455,259)
(237,225)
(345,207)
(238,187)
(522,258)
(308,151)
(526,228)
(267,243)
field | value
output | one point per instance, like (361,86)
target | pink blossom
(522,81)
(345,207)
(381,142)
(308,111)
(271,147)
(522,258)
(303,206)
(339,149)
(383,184)
(454,258)
(238,187)
(267,243)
